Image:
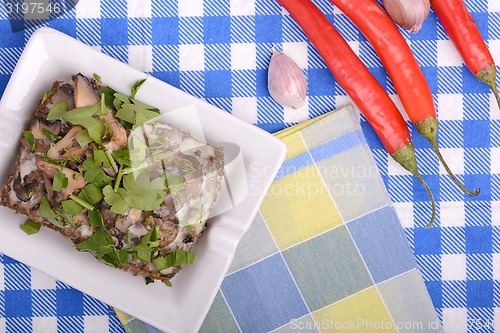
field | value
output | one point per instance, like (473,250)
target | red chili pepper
(462,30)
(359,83)
(402,67)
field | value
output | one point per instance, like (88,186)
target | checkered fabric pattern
(219,51)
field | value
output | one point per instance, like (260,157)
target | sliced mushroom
(76,181)
(22,189)
(65,93)
(38,125)
(57,150)
(119,133)
(85,93)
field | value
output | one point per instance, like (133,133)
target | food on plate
(102,169)
(368,95)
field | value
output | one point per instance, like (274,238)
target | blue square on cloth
(17,303)
(384,259)
(10,39)
(476,133)
(114,31)
(320,82)
(471,85)
(172,78)
(165,30)
(431,74)
(435,291)
(479,293)
(478,239)
(217,84)
(427,240)
(268,29)
(68,26)
(263,296)
(216,29)
(261,81)
(69,302)
(429,30)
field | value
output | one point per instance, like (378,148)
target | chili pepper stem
(488,76)
(428,128)
(406,158)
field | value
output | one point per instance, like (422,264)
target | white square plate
(51,56)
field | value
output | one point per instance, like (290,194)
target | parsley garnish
(136,87)
(49,135)
(30,138)
(71,207)
(97,77)
(60,181)
(57,111)
(30,227)
(95,174)
(176,258)
(84,116)
(148,245)
(47,212)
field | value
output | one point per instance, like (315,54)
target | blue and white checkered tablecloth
(219,51)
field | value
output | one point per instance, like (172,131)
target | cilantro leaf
(91,194)
(148,245)
(122,157)
(149,280)
(30,138)
(95,174)
(47,212)
(60,181)
(57,111)
(49,135)
(30,227)
(108,95)
(116,258)
(100,157)
(135,114)
(115,199)
(83,138)
(136,87)
(84,116)
(174,183)
(100,242)
(97,77)
(71,207)
(95,219)
(176,258)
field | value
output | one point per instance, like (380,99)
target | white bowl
(51,56)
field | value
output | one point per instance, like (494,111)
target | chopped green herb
(115,199)
(101,158)
(168,283)
(176,258)
(47,212)
(174,183)
(94,173)
(108,95)
(49,135)
(135,115)
(188,167)
(138,149)
(71,207)
(95,219)
(116,258)
(104,109)
(147,247)
(118,179)
(81,202)
(111,160)
(84,116)
(97,77)
(30,138)
(100,242)
(47,95)
(60,181)
(136,87)
(149,280)
(127,236)
(83,138)
(122,157)
(91,193)
(57,111)
(30,227)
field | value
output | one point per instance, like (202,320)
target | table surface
(219,51)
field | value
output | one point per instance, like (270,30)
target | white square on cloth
(88,9)
(495,160)
(141,57)
(243,56)
(296,115)
(44,324)
(404,211)
(494,6)
(139,8)
(298,52)
(455,159)
(496,319)
(95,324)
(242,7)
(455,320)
(190,7)
(496,267)
(2,325)
(448,54)
(41,280)
(191,57)
(495,213)
(452,214)
(450,106)
(453,266)
(245,108)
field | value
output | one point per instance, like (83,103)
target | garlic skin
(408,14)
(287,83)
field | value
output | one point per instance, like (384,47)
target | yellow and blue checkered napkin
(326,252)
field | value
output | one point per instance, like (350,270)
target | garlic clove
(408,14)
(287,83)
